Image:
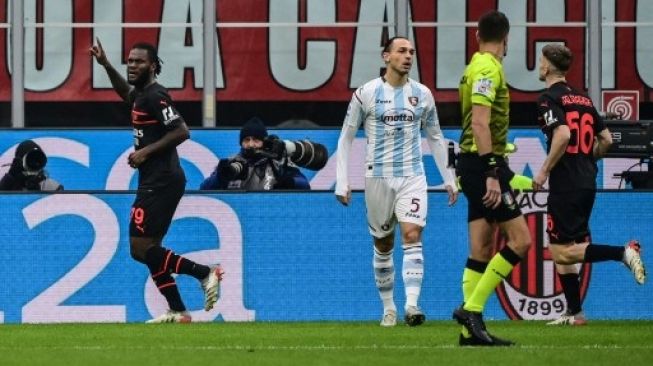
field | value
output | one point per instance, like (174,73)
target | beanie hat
(254,128)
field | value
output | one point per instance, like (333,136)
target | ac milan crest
(533,291)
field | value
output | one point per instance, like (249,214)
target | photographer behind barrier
(266,162)
(26,171)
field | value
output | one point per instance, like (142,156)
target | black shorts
(471,170)
(153,209)
(569,216)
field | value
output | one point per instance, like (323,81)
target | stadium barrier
(296,256)
(96,158)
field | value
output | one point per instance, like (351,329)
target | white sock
(413,272)
(384,276)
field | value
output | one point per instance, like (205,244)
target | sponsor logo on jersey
(138,134)
(398,117)
(532,291)
(382,101)
(413,215)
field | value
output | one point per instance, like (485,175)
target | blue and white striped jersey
(392,118)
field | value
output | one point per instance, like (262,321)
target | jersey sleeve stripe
(398,141)
(358,98)
(379,141)
(417,142)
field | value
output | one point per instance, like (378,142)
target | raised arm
(118,82)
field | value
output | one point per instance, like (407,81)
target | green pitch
(624,343)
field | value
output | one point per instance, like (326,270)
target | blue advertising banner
(287,256)
(97,159)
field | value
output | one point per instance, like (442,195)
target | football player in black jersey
(158,129)
(576,139)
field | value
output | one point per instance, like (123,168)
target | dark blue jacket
(259,174)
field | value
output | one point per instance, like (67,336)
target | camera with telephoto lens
(26,171)
(235,168)
(232,168)
(34,160)
(309,155)
(304,153)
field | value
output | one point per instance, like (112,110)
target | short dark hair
(559,56)
(152,54)
(493,26)
(388,44)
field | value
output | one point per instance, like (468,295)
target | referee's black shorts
(569,215)
(153,209)
(471,170)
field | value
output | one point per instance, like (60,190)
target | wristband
(490,160)
(492,173)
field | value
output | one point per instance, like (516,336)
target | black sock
(571,289)
(168,288)
(166,260)
(601,253)
(475,265)
(509,255)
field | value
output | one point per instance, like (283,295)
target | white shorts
(392,199)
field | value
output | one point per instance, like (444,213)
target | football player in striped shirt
(393,109)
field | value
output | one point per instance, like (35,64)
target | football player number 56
(582,132)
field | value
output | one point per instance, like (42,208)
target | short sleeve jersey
(392,119)
(560,105)
(152,116)
(484,83)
